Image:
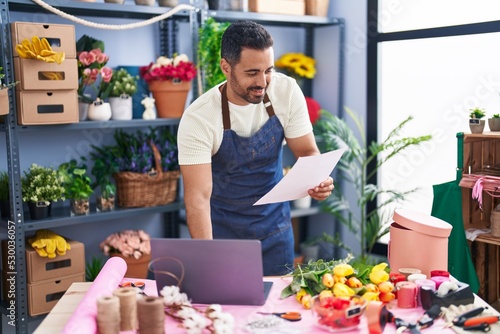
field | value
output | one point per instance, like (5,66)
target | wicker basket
(144,190)
(317,7)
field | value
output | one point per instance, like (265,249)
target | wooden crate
(481,156)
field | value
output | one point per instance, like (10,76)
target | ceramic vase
(38,210)
(121,108)
(83,110)
(145,2)
(99,111)
(170,97)
(136,268)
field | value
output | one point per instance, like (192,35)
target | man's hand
(323,190)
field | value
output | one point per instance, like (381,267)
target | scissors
(290,316)
(139,285)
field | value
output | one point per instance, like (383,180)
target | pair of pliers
(290,316)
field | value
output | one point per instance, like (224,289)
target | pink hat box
(419,241)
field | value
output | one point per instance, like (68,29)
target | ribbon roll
(409,271)
(440,273)
(414,277)
(407,294)
(439,280)
(427,283)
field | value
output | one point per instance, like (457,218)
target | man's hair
(243,34)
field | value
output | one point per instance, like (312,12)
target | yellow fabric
(39,49)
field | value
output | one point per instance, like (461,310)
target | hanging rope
(134,25)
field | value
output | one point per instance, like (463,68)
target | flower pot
(5,208)
(168,3)
(476,125)
(119,2)
(4,101)
(99,111)
(136,268)
(121,108)
(104,204)
(38,210)
(494,124)
(79,207)
(83,110)
(170,97)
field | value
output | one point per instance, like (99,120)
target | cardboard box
(43,296)
(61,37)
(44,107)
(40,269)
(35,74)
(4,101)
(287,7)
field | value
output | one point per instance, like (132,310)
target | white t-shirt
(201,128)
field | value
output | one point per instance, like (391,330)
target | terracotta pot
(170,97)
(136,268)
(168,3)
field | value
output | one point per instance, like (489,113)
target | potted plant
(40,187)
(93,268)
(124,85)
(169,80)
(77,186)
(4,195)
(476,123)
(94,78)
(210,37)
(134,247)
(103,170)
(494,122)
(366,225)
(4,98)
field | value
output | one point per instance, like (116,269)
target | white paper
(307,173)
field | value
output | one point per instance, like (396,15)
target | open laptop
(220,271)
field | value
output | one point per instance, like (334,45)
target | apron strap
(226,120)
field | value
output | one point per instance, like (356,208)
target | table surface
(55,321)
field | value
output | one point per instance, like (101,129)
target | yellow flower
(343,270)
(342,290)
(368,296)
(325,294)
(297,63)
(378,273)
(327,280)
(302,292)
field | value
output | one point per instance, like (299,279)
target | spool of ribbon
(440,273)
(150,311)
(414,277)
(409,271)
(439,280)
(128,308)
(427,283)
(407,294)
(108,315)
(395,278)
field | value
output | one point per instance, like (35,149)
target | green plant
(123,83)
(210,37)
(41,184)
(5,86)
(103,171)
(93,268)
(477,113)
(354,168)
(495,116)
(4,185)
(76,182)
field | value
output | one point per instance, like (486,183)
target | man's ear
(225,67)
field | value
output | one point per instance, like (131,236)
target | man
(230,148)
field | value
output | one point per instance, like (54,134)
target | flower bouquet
(169,79)
(297,65)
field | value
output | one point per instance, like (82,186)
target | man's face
(249,79)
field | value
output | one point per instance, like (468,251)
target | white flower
(224,323)
(182,57)
(162,61)
(186,312)
(172,296)
(195,324)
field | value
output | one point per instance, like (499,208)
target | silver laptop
(220,271)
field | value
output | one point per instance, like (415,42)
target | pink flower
(128,243)
(106,74)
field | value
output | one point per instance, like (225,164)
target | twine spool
(414,277)
(409,271)
(108,315)
(407,294)
(128,308)
(150,311)
(439,280)
(495,223)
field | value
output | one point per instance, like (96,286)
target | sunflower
(297,64)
